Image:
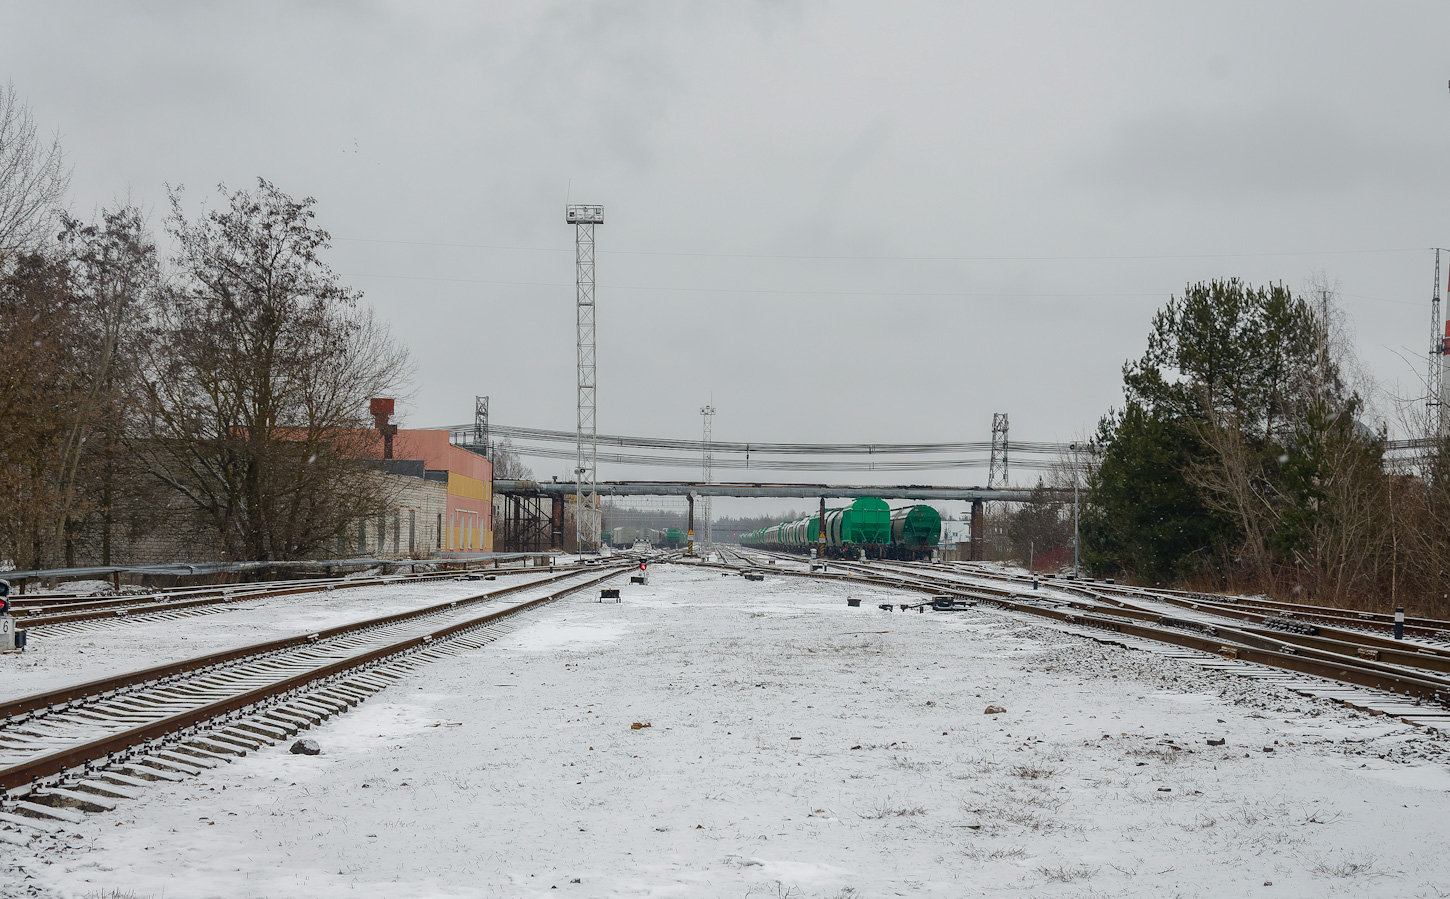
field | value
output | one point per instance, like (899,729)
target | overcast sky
(845,222)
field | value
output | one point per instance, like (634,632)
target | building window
(362,537)
(397,530)
(440,530)
(412,530)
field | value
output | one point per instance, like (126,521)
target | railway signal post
(821,533)
(690,533)
(10,638)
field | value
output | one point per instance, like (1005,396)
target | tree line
(1242,459)
(215,393)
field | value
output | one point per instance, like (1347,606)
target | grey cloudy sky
(846,221)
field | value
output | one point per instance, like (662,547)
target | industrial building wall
(416,525)
(468,516)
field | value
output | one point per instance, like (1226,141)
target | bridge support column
(556,522)
(979,530)
(690,534)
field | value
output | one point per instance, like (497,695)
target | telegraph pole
(586,446)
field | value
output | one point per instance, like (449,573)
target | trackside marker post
(11,639)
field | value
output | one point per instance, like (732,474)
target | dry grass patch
(888,808)
(1346,866)
(996,853)
(1064,874)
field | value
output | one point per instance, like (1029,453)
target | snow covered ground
(92,651)
(793,747)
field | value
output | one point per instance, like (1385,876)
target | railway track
(1423,645)
(64,614)
(1431,631)
(1410,681)
(82,748)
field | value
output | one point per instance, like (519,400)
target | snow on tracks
(512,772)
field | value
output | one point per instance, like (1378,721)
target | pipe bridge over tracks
(789,491)
(524,525)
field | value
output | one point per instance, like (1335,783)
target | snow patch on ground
(564,632)
(56,658)
(796,748)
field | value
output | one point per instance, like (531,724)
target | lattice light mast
(586,453)
(1438,382)
(707,413)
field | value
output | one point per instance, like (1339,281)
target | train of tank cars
(665,538)
(868,526)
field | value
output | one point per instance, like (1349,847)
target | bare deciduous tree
(257,377)
(507,466)
(33,178)
(114,275)
(37,320)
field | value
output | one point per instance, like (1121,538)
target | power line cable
(769,447)
(891,258)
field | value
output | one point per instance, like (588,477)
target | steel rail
(36,603)
(82,691)
(1367,649)
(1361,672)
(148,606)
(1435,628)
(83,754)
(1333,654)
(1233,608)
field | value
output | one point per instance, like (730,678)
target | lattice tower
(997,474)
(1436,384)
(708,414)
(586,455)
(480,426)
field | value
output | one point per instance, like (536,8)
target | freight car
(915,531)
(624,536)
(866,526)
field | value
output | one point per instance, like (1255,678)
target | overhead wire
(765,447)
(891,258)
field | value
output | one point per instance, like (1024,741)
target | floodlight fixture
(584,215)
